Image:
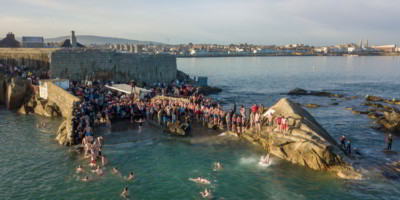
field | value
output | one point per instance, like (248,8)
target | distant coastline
(279,55)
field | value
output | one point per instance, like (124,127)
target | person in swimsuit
(79,169)
(86,179)
(206,194)
(104,160)
(98,171)
(218,166)
(257,120)
(234,123)
(130,176)
(125,193)
(115,171)
(239,124)
(140,122)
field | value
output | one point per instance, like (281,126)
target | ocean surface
(34,166)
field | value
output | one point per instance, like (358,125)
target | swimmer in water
(218,166)
(130,176)
(125,193)
(140,122)
(104,160)
(200,180)
(206,194)
(115,171)
(265,160)
(98,171)
(79,169)
(86,179)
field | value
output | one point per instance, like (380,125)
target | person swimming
(125,193)
(200,180)
(86,179)
(130,176)
(217,166)
(140,122)
(104,160)
(206,194)
(79,169)
(115,171)
(265,160)
(98,171)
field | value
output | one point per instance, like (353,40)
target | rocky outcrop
(65,133)
(299,91)
(177,129)
(207,90)
(390,122)
(17,91)
(40,107)
(307,143)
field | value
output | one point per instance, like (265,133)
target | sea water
(34,166)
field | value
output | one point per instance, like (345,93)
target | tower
(73,39)
(366,43)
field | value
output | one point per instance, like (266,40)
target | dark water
(34,166)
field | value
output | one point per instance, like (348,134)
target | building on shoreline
(32,42)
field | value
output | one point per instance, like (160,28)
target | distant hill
(91,39)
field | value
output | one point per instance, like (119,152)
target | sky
(264,22)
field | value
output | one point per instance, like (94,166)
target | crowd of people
(34,75)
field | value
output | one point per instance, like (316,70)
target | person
(228,121)
(115,170)
(343,142)
(108,124)
(125,193)
(218,166)
(283,125)
(389,141)
(257,121)
(239,123)
(98,171)
(130,176)
(265,160)
(206,194)
(349,147)
(79,169)
(86,179)
(200,180)
(104,160)
(140,122)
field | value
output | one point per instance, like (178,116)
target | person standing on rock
(389,141)
(349,147)
(343,142)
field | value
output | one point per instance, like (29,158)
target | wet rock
(65,133)
(307,143)
(207,90)
(374,115)
(334,104)
(390,122)
(349,174)
(312,105)
(374,105)
(350,98)
(393,101)
(373,98)
(357,112)
(299,91)
(177,129)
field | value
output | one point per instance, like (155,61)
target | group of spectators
(31,74)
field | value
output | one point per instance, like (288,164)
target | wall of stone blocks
(32,57)
(77,64)
(64,100)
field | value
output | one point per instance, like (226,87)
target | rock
(334,104)
(177,129)
(307,144)
(373,98)
(374,115)
(374,105)
(299,91)
(390,122)
(65,133)
(356,112)
(350,98)
(349,174)
(312,105)
(207,90)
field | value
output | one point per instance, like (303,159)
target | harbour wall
(32,57)
(56,95)
(79,64)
